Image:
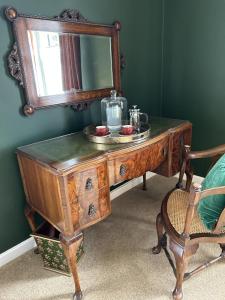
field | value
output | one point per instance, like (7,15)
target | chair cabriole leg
(181,266)
(159,228)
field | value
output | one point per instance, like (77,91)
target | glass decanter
(114,111)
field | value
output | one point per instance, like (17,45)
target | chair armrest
(188,155)
(206,153)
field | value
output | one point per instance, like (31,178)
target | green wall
(175,67)
(141,44)
(194,68)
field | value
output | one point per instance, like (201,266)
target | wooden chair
(180,221)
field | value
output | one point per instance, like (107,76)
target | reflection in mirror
(68,63)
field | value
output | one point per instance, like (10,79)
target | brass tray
(116,137)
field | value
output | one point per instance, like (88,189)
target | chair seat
(177,208)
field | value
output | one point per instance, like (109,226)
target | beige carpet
(117,263)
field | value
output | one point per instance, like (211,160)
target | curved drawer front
(158,153)
(136,163)
(88,193)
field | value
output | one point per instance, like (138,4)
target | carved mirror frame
(20,61)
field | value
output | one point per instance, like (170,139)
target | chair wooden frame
(184,245)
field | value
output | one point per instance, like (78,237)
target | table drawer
(87,210)
(88,193)
(94,208)
(158,153)
(91,179)
(136,163)
(177,140)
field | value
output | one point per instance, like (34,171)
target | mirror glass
(68,63)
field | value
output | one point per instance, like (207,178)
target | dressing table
(67,179)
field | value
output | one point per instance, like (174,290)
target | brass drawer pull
(123,170)
(91,210)
(89,184)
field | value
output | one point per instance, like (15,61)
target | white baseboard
(16,251)
(29,244)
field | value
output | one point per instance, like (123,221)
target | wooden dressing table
(67,179)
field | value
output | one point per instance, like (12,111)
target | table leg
(29,213)
(70,247)
(144,187)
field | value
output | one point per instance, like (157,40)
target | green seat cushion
(210,208)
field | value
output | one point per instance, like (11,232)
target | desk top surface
(66,151)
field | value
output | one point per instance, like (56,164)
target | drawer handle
(89,184)
(123,170)
(91,210)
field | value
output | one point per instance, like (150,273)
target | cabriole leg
(159,228)
(181,266)
(70,247)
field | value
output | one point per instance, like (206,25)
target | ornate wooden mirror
(63,60)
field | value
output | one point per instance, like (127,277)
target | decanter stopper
(113,94)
